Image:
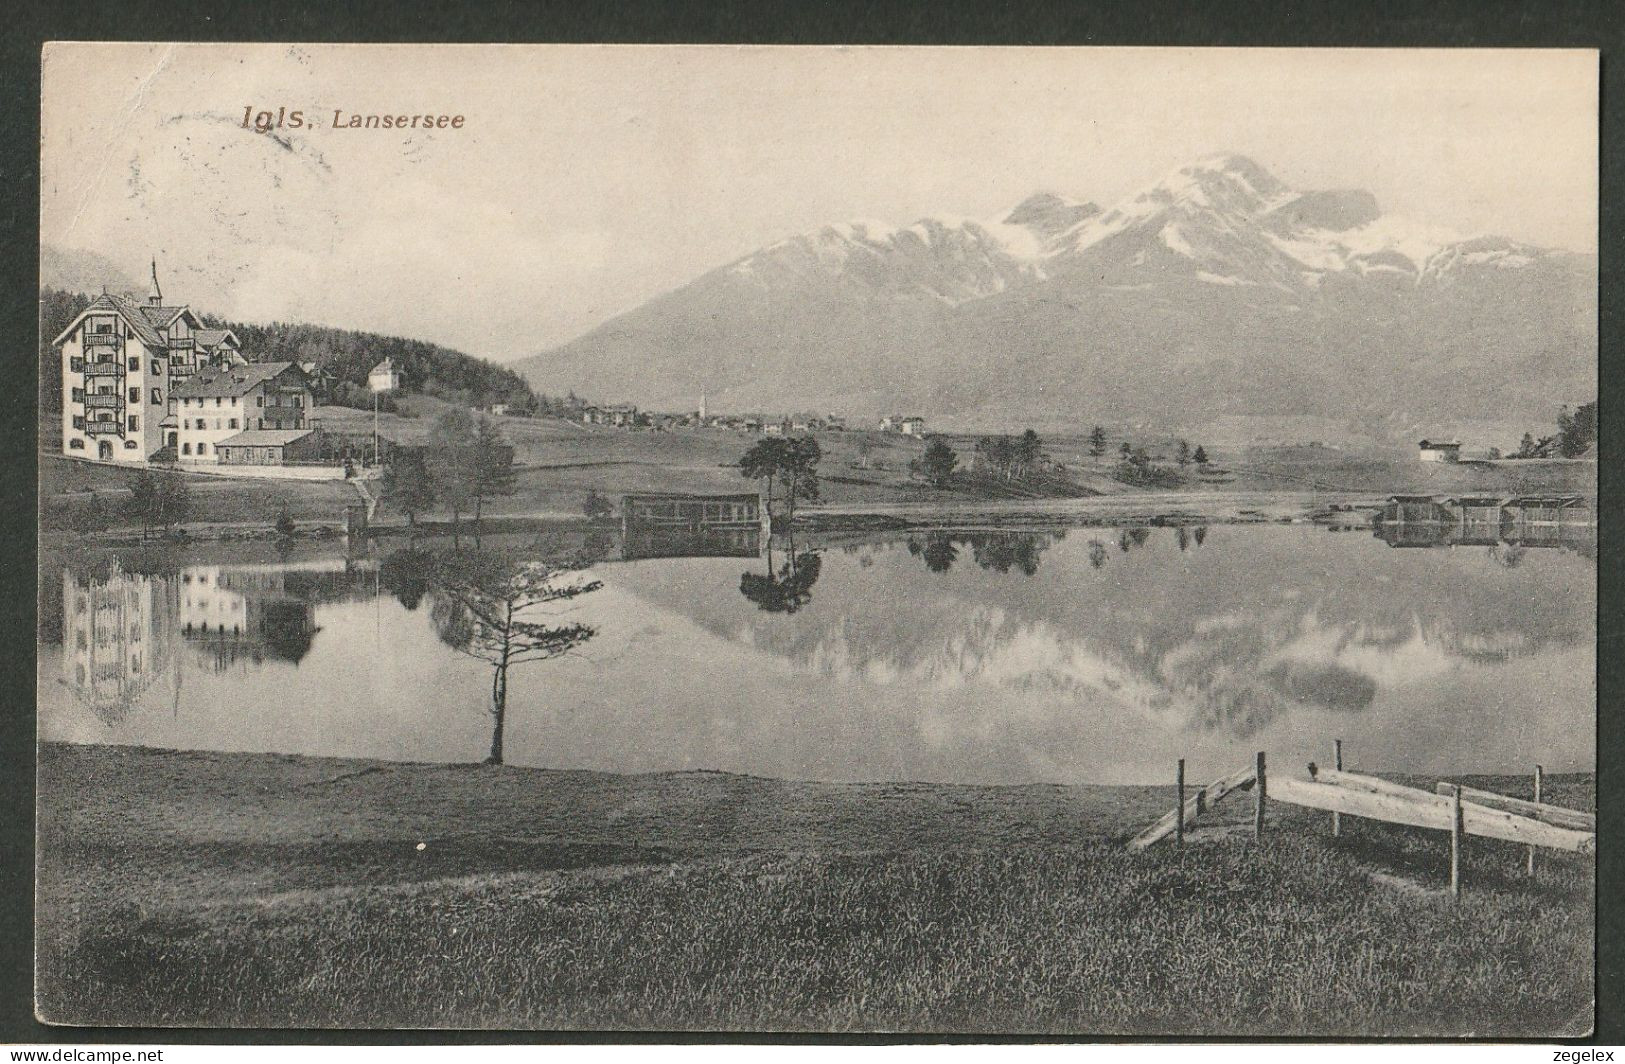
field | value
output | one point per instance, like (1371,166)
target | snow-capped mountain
(1216,291)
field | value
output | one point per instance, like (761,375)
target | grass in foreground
(1292,936)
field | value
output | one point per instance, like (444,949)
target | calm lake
(1086,655)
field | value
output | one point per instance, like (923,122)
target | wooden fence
(1460,811)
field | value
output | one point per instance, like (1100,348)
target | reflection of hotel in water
(118,639)
(233,614)
(124,629)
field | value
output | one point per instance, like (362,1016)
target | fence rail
(1424,809)
(1574,819)
(1460,811)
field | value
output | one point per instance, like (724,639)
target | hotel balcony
(104,428)
(104,369)
(111,400)
(180,343)
(101,339)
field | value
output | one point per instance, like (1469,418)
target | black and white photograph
(1085,542)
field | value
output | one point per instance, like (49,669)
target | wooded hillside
(342,357)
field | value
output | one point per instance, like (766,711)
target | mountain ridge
(1217,290)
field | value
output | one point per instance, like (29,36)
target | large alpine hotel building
(139,378)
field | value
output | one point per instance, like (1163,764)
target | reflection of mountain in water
(1227,641)
(123,630)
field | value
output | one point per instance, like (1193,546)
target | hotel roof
(229,380)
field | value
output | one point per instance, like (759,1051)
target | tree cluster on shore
(466,463)
(1010,458)
(1136,467)
(157,500)
(791,463)
(1576,432)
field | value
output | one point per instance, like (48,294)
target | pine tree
(493,465)
(407,485)
(939,462)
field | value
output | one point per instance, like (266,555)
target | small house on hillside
(384,377)
(1438,451)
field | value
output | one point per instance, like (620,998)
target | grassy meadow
(240,889)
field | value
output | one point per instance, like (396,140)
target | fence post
(1539,779)
(1337,763)
(1259,795)
(1179,785)
(1455,842)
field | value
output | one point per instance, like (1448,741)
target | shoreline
(1126,510)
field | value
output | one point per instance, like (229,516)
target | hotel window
(231,424)
(219,401)
(135,395)
(157,395)
(78,423)
(259,400)
(135,364)
(76,364)
(186,448)
(157,367)
(78,395)
(129,445)
(77,445)
(202,448)
(135,423)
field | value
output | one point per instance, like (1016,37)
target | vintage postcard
(1066,541)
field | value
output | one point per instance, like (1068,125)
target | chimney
(157,297)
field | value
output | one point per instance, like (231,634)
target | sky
(585,180)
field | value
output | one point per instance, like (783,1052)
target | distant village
(628,416)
